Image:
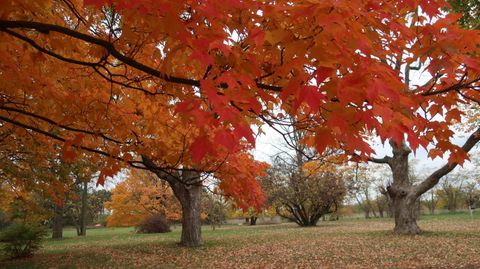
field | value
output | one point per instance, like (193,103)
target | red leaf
(243,130)
(322,73)
(202,57)
(68,153)
(323,139)
(226,139)
(453,115)
(199,148)
(337,121)
(185,106)
(98,3)
(258,36)
(105,172)
(210,90)
(311,95)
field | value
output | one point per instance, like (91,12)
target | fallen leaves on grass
(342,244)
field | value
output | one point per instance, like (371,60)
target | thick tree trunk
(191,225)
(187,187)
(405,213)
(253,220)
(190,199)
(401,193)
(57,225)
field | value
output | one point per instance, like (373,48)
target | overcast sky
(267,144)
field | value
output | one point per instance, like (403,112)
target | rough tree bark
(187,187)
(403,200)
(190,199)
(403,193)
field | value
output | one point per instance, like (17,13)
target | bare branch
(435,177)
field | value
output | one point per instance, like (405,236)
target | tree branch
(385,159)
(110,48)
(54,123)
(435,177)
(59,138)
(159,172)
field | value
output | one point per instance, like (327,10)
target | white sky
(269,143)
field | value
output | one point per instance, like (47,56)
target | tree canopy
(176,87)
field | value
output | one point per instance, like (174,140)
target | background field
(450,241)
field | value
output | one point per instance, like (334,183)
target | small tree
(156,223)
(451,192)
(302,196)
(22,240)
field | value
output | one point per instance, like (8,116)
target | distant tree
(367,186)
(304,197)
(360,187)
(472,195)
(302,190)
(303,185)
(450,193)
(96,201)
(432,200)
(250,215)
(384,203)
(141,195)
(470,10)
(215,209)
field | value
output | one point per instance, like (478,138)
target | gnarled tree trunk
(401,193)
(405,213)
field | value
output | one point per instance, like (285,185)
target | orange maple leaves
(182,82)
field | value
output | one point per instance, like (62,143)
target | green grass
(449,241)
(458,215)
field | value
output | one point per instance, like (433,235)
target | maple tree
(173,86)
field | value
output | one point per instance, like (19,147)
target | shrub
(21,240)
(154,224)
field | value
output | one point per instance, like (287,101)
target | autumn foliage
(176,87)
(139,197)
(213,66)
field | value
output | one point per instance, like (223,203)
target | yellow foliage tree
(139,196)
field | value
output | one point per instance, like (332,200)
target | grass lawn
(450,241)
